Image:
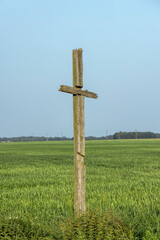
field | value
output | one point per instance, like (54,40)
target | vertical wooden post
(79,131)
(79,136)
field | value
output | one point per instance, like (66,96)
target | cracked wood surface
(79,135)
(79,131)
(77,91)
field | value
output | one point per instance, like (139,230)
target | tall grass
(123,176)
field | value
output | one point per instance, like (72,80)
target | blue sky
(121,56)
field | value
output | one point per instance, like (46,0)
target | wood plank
(75,123)
(79,131)
(79,137)
(77,91)
(79,152)
(80,69)
(80,204)
(82,127)
(75,67)
(84,189)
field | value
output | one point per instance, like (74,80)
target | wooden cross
(79,130)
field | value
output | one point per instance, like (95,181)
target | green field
(36,182)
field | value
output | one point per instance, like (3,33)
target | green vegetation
(36,182)
(96,226)
(134,135)
(117,135)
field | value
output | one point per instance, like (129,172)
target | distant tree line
(158,135)
(134,135)
(33,138)
(99,138)
(117,135)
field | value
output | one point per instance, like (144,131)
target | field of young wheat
(36,184)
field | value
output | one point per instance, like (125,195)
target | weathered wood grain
(79,131)
(80,69)
(75,90)
(75,67)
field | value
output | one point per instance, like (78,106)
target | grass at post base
(92,225)
(95,225)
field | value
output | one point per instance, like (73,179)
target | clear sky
(121,56)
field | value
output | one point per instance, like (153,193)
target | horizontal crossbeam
(77,91)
